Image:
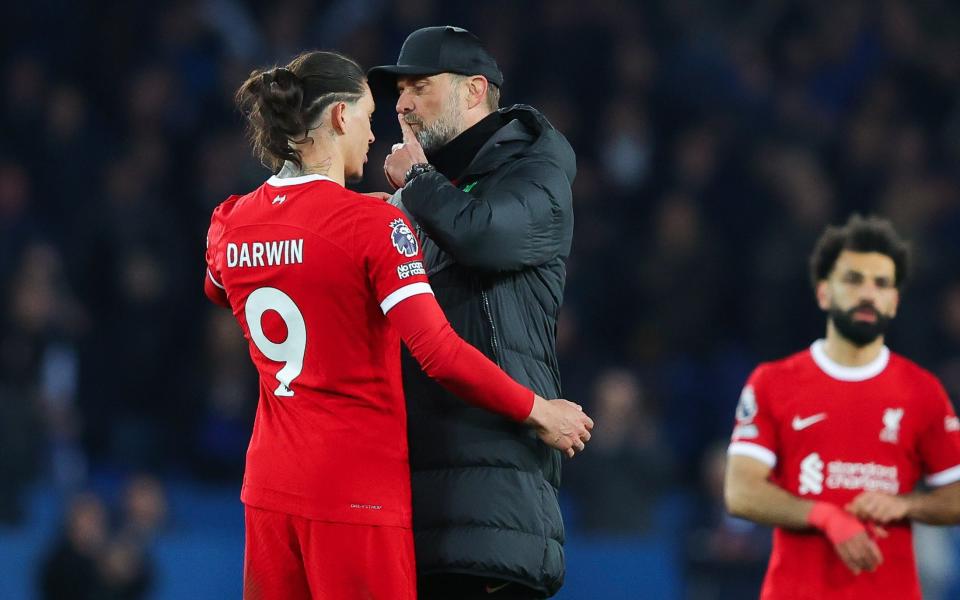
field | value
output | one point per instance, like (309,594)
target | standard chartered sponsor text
(870,477)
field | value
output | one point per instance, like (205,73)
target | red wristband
(837,524)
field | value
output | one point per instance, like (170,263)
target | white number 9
(291,350)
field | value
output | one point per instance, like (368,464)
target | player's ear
(338,118)
(476,90)
(823,294)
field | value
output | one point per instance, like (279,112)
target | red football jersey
(830,432)
(310,270)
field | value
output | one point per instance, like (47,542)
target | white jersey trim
(764,455)
(951,475)
(403,293)
(844,372)
(285,181)
(214,280)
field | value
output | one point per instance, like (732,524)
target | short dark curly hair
(860,234)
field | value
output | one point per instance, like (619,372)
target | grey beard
(436,136)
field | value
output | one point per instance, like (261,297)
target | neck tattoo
(290,169)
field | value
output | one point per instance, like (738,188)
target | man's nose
(404,104)
(868,292)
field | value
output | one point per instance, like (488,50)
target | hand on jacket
(378,195)
(403,156)
(561,424)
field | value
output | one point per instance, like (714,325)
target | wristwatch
(417,170)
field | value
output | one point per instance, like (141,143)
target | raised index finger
(409,137)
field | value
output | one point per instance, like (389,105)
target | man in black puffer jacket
(490,192)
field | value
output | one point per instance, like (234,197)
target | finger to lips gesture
(403,155)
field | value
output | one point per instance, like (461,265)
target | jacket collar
(453,159)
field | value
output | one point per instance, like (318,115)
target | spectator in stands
(70,568)
(618,483)
(725,557)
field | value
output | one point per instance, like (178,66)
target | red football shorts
(293,558)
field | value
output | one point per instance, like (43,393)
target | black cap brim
(383,79)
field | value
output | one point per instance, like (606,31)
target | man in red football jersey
(831,442)
(324,283)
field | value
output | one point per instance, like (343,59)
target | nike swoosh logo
(493,589)
(799,423)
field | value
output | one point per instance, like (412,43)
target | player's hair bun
(281,90)
(279,99)
(283,103)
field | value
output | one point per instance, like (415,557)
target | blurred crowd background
(715,140)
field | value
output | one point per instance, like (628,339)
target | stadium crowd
(715,140)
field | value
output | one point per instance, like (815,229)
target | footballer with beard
(831,444)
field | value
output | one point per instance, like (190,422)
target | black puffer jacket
(485,488)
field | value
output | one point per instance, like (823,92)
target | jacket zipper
(486,302)
(493,328)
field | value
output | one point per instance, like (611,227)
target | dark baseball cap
(433,50)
